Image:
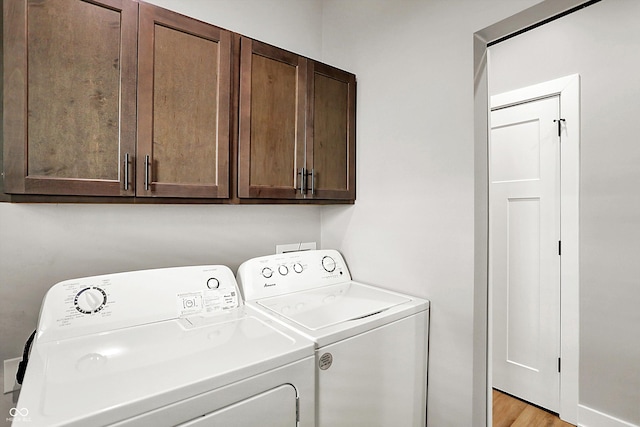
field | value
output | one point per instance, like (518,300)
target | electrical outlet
(10,371)
(294,247)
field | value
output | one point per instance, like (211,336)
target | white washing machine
(371,343)
(163,347)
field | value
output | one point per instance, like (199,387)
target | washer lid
(330,305)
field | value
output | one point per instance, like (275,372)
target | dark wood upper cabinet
(184,87)
(331,133)
(272,111)
(69,96)
(124,99)
(297,127)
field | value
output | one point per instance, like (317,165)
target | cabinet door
(272,110)
(69,101)
(184,85)
(331,132)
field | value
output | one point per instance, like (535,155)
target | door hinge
(559,247)
(559,122)
(559,364)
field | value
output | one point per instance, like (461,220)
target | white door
(524,261)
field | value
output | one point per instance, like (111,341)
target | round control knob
(90,300)
(213,283)
(283,270)
(267,272)
(297,267)
(329,264)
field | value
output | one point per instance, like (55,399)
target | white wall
(41,244)
(295,25)
(411,228)
(602,44)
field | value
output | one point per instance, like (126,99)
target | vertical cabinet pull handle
(126,171)
(313,181)
(146,173)
(303,180)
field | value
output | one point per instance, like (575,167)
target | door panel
(272,101)
(331,133)
(183,125)
(524,217)
(70,95)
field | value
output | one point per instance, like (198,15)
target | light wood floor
(511,412)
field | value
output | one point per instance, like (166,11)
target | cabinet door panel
(331,132)
(74,120)
(272,100)
(184,87)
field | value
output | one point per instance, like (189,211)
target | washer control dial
(297,267)
(283,270)
(90,300)
(329,264)
(267,272)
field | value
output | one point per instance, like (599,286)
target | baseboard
(588,417)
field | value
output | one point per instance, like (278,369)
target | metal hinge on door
(559,247)
(559,365)
(559,122)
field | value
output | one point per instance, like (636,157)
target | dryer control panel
(280,274)
(101,303)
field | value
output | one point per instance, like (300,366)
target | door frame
(533,17)
(568,91)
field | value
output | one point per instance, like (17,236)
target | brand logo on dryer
(269,285)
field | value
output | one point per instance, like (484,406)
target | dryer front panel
(273,408)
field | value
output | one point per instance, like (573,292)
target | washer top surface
(108,365)
(312,293)
(331,305)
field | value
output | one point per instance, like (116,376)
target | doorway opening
(533,153)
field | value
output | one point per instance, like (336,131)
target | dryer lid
(331,305)
(107,377)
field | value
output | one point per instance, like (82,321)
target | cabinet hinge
(559,122)
(559,247)
(559,364)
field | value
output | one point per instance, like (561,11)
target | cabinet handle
(146,173)
(126,171)
(313,181)
(303,180)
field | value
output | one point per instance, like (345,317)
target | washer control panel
(102,303)
(291,272)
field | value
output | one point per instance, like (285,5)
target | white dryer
(163,347)
(371,343)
